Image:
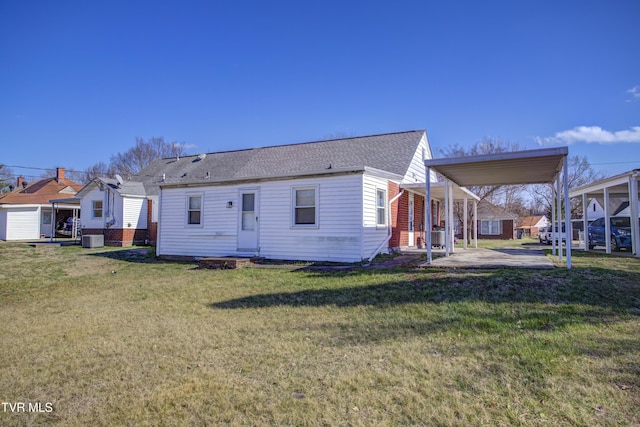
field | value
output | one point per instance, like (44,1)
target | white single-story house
(341,200)
(27,214)
(119,210)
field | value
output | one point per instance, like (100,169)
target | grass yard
(113,337)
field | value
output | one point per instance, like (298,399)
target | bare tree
(579,173)
(496,194)
(6,178)
(143,153)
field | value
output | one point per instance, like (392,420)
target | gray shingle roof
(391,152)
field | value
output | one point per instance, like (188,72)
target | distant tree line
(131,162)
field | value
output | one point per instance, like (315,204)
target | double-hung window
(305,206)
(491,227)
(194,209)
(381,207)
(96,208)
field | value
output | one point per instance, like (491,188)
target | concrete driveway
(493,258)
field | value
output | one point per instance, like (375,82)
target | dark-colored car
(620,233)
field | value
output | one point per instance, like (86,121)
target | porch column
(53,221)
(475,223)
(464,226)
(447,239)
(567,213)
(427,214)
(452,234)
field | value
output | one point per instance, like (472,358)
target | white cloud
(634,92)
(591,134)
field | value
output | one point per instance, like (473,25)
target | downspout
(389,231)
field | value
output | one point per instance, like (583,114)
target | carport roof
(515,167)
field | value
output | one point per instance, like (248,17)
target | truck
(546,236)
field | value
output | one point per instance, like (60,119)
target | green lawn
(114,337)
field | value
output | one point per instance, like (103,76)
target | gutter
(389,231)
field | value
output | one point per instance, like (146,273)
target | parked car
(620,233)
(546,236)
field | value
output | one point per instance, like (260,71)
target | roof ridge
(296,143)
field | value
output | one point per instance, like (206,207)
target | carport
(624,186)
(542,166)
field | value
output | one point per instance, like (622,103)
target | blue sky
(80,80)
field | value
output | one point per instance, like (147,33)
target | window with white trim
(491,227)
(96,209)
(194,209)
(305,206)
(381,207)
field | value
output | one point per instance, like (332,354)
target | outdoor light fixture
(229,204)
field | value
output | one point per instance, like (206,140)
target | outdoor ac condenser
(93,241)
(437,238)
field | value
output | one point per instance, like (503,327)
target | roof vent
(208,175)
(202,156)
(163,177)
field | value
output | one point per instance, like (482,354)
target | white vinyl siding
(86,209)
(373,234)
(135,213)
(337,236)
(416,171)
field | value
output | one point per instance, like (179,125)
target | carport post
(554,219)
(585,222)
(427,214)
(567,213)
(633,206)
(607,221)
(559,219)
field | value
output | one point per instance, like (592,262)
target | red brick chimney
(59,174)
(20,181)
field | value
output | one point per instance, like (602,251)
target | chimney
(20,181)
(59,174)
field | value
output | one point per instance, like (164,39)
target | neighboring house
(494,222)
(595,207)
(121,211)
(337,200)
(26,212)
(531,225)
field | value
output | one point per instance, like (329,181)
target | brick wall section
(394,241)
(399,217)
(507,231)
(119,236)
